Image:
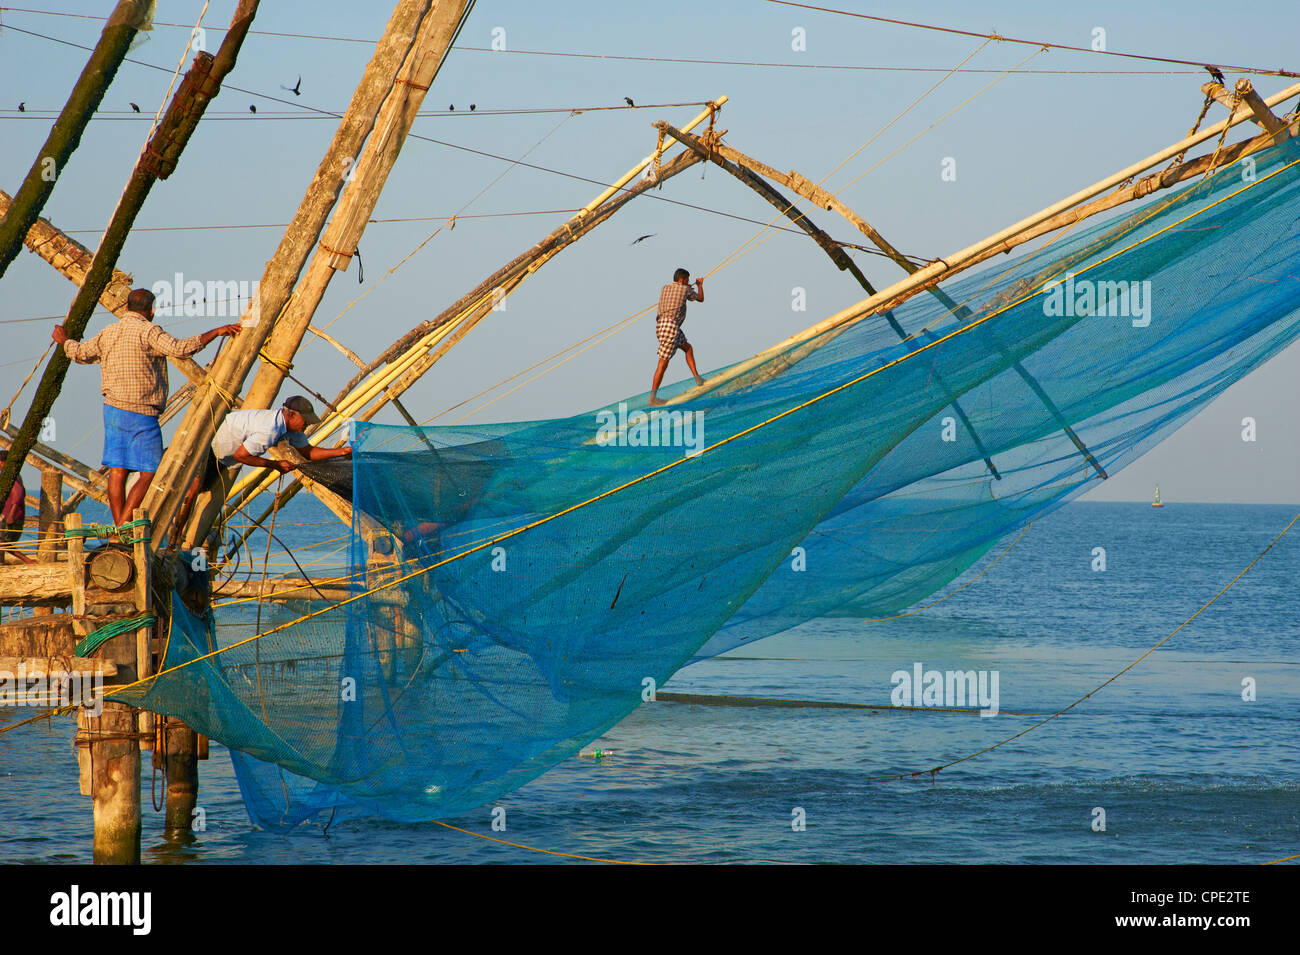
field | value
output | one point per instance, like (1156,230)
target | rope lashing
(109,531)
(281,364)
(91,642)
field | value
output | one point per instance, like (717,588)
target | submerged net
(519,587)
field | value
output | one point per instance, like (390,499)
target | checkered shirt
(672,313)
(133,353)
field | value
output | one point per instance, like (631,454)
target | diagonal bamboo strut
(416,29)
(1053,217)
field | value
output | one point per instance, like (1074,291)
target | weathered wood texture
(212,399)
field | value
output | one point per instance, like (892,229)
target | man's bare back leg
(659,377)
(690,363)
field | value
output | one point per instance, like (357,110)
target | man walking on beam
(668,326)
(132,354)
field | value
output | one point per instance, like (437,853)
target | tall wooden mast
(403,65)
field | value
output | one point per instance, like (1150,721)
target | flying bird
(252,108)
(643,238)
(134,107)
(22,107)
(296,89)
(628,100)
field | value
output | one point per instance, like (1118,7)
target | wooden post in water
(108,742)
(179,757)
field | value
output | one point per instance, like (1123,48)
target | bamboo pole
(128,17)
(216,396)
(396,115)
(157,161)
(1003,241)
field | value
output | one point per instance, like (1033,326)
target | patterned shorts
(670,337)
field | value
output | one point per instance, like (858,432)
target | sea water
(1191,756)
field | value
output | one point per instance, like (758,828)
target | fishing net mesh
(519,588)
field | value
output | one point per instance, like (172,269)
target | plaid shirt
(134,354)
(672,313)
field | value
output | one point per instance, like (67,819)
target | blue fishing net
(521,587)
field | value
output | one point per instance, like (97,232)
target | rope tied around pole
(109,531)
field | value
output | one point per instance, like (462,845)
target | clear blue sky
(1029,140)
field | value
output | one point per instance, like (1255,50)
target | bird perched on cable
(643,238)
(472,107)
(135,107)
(1217,74)
(22,107)
(628,100)
(252,108)
(296,89)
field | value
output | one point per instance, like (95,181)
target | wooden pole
(181,761)
(51,515)
(1002,241)
(338,244)
(114,746)
(201,84)
(213,399)
(128,17)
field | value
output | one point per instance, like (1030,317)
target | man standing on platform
(133,354)
(668,326)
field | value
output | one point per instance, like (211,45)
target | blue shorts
(132,441)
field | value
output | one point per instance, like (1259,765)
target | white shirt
(257,430)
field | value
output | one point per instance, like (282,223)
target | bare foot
(655,401)
(699,382)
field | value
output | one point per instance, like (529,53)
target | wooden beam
(338,244)
(1053,217)
(1263,115)
(815,193)
(210,404)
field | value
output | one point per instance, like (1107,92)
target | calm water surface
(1184,768)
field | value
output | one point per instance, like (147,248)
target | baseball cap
(301,405)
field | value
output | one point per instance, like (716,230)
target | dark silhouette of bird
(628,100)
(643,238)
(252,108)
(1217,74)
(296,89)
(22,107)
(134,107)
(472,107)
(452,107)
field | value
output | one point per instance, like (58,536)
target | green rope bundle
(91,642)
(108,531)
